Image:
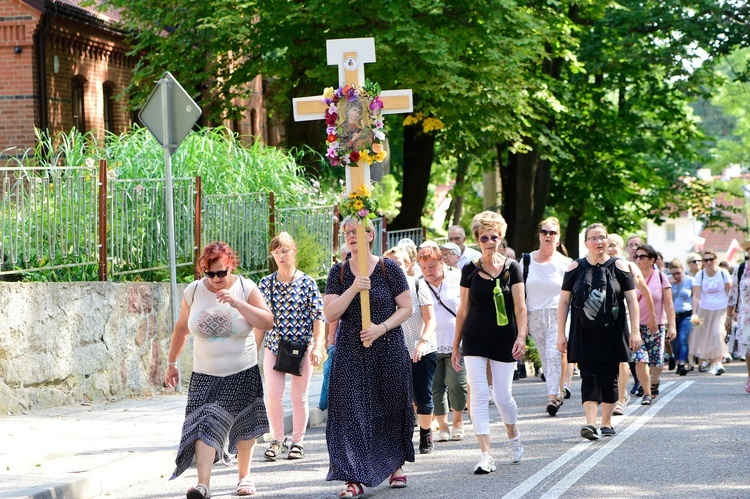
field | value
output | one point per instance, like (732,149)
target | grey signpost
(169,114)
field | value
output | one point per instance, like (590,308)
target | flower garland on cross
(355,136)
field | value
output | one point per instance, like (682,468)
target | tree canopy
(584,103)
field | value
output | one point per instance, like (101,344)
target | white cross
(351,55)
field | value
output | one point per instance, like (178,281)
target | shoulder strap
(192,297)
(416,284)
(382,266)
(437,297)
(341,272)
(740,271)
(526,257)
(584,263)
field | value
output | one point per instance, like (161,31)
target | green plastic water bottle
(500,313)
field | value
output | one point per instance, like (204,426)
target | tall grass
(226,166)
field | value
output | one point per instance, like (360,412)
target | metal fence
(48,218)
(394,236)
(241,221)
(310,226)
(65,218)
(137,237)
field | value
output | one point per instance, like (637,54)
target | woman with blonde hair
(544,270)
(492,333)
(298,323)
(370,416)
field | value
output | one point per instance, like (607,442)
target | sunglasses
(219,273)
(484,239)
(694,261)
(641,257)
(548,232)
(707,260)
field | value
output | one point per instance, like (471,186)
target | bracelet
(422,340)
(170,364)
(386,326)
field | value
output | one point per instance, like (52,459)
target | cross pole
(350,55)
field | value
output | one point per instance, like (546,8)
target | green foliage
(311,256)
(224,164)
(386,192)
(629,139)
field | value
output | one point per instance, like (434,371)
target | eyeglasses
(219,273)
(544,232)
(676,273)
(281,252)
(694,261)
(456,238)
(633,245)
(596,238)
(484,239)
(707,260)
(641,257)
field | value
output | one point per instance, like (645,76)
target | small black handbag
(290,357)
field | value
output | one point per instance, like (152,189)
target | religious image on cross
(354,125)
(352,133)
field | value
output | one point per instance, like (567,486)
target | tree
(624,138)
(465,62)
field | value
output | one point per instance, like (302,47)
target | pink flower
(363,213)
(376,104)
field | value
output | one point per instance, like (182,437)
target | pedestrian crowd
(448,330)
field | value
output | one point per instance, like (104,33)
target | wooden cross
(350,55)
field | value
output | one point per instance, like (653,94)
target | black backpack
(595,304)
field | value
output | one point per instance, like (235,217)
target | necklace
(290,279)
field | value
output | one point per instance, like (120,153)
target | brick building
(62,66)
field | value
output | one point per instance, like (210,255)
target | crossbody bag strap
(437,297)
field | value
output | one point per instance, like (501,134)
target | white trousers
(502,392)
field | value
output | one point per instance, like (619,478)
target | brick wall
(92,55)
(18,95)
(95,58)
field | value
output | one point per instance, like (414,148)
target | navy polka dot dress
(370,417)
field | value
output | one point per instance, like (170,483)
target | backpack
(595,304)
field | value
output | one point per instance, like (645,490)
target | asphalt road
(693,442)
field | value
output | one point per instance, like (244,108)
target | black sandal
(553,406)
(276,449)
(654,389)
(296,451)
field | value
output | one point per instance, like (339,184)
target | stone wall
(78,342)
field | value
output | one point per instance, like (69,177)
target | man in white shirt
(457,235)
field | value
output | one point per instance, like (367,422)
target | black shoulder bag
(291,354)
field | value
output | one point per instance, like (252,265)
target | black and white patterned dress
(370,417)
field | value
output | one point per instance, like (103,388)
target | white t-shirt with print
(224,343)
(713,289)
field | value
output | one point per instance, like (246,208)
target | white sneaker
(719,370)
(712,370)
(515,448)
(485,465)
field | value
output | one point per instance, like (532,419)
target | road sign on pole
(181,112)
(169,114)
